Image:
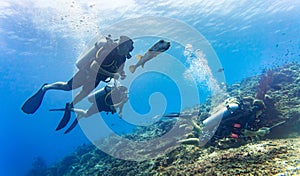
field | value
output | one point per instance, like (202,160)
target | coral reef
(267,157)
(38,167)
(281,99)
(266,150)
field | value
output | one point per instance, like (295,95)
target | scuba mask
(126,42)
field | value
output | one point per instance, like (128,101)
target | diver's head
(258,105)
(125,46)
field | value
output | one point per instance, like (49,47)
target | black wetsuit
(112,63)
(89,79)
(105,98)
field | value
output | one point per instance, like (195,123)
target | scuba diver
(230,119)
(108,99)
(240,114)
(242,120)
(101,63)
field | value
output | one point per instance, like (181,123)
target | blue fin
(34,102)
(66,118)
(74,124)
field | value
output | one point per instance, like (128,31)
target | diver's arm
(122,72)
(121,107)
(121,110)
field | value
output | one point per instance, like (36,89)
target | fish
(156,49)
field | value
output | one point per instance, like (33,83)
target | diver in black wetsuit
(107,99)
(103,62)
(107,62)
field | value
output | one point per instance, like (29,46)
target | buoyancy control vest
(85,60)
(104,98)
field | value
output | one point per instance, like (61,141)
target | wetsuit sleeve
(121,69)
(122,105)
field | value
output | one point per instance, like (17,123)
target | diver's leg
(75,82)
(92,110)
(58,86)
(88,85)
(79,79)
(81,95)
(34,102)
(69,106)
(85,113)
(82,114)
(87,88)
(79,112)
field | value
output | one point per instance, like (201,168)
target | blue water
(40,41)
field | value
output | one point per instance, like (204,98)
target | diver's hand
(116,76)
(123,77)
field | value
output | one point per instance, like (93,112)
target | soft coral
(264,83)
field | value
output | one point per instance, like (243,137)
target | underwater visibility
(153,88)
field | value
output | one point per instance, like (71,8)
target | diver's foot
(69,107)
(44,87)
(73,125)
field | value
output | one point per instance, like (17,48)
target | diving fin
(34,102)
(75,122)
(66,118)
